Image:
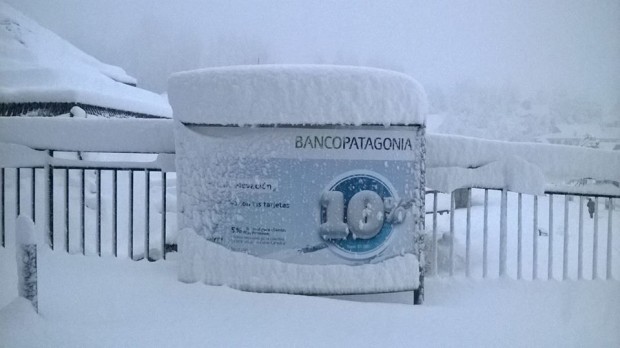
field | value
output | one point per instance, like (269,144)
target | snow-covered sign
(290,181)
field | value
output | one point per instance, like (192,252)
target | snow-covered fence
(91,180)
(501,233)
(527,213)
(522,176)
(21,158)
(103,180)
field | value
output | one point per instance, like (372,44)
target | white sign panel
(303,195)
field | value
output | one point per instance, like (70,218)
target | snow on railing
(89,135)
(520,164)
(456,163)
(74,184)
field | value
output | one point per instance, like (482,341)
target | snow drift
(202,260)
(457,161)
(296,94)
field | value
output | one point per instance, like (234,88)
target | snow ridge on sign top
(296,95)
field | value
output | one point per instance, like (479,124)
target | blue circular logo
(349,185)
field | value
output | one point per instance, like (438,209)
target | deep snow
(206,261)
(90,301)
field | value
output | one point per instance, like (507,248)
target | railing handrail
(89,135)
(557,162)
(157,136)
(163,162)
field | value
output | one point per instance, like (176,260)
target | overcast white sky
(535,45)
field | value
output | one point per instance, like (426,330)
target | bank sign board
(319,196)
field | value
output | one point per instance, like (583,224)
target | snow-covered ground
(90,301)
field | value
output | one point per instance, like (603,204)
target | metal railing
(4,174)
(113,176)
(463,240)
(61,188)
(524,259)
(66,194)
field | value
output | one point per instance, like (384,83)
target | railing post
(609,238)
(98,178)
(49,227)
(580,241)
(467,233)
(18,189)
(114,213)
(66,210)
(147,209)
(535,241)
(565,249)
(163,214)
(434,256)
(33,196)
(2,233)
(485,235)
(595,242)
(550,245)
(451,255)
(503,233)
(130,236)
(82,212)
(519,238)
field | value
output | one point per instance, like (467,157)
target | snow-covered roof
(37,65)
(296,94)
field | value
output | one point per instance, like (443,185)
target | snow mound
(457,161)
(514,174)
(25,230)
(15,156)
(130,135)
(202,260)
(37,65)
(21,326)
(296,94)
